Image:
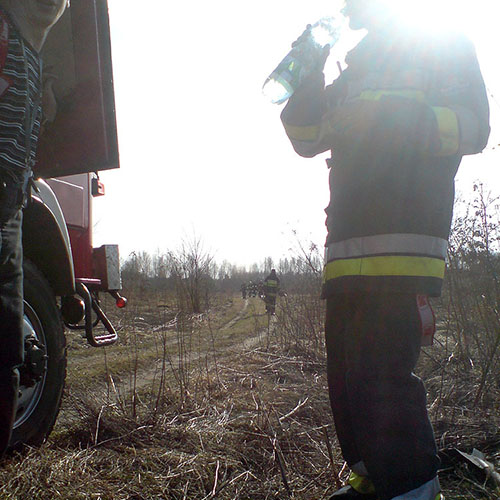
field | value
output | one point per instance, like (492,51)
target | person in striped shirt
(24,25)
(398,120)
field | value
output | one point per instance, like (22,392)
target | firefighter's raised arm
(305,117)
(443,116)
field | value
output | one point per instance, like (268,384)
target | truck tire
(44,369)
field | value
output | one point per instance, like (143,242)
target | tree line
(194,271)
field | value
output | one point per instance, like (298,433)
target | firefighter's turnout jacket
(271,285)
(392,186)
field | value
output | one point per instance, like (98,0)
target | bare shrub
(300,315)
(192,268)
(472,293)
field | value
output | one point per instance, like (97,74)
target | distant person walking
(271,289)
(24,24)
(252,289)
(398,120)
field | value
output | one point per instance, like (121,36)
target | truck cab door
(79,134)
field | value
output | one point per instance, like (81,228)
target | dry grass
(247,432)
(250,419)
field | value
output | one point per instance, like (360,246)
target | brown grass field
(229,405)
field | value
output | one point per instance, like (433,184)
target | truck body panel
(75,198)
(82,136)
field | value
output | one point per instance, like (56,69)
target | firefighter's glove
(391,124)
(302,38)
(313,57)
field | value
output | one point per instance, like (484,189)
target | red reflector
(121,302)
(97,187)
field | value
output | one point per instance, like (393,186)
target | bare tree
(192,267)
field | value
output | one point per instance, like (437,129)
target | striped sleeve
(305,116)
(461,106)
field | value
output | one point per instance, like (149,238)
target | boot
(358,486)
(349,493)
(9,389)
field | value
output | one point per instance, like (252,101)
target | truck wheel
(44,369)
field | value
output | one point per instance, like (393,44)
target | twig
(229,482)
(279,456)
(186,486)
(344,467)
(98,424)
(290,413)
(281,460)
(336,474)
(117,438)
(216,479)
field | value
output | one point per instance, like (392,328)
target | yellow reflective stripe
(449,133)
(338,268)
(361,484)
(376,95)
(395,265)
(309,133)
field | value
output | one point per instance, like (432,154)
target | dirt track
(136,362)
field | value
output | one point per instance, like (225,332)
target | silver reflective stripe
(428,491)
(381,244)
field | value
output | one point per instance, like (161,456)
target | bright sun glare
(434,14)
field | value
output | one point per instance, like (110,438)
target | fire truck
(64,276)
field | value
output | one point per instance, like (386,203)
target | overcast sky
(202,151)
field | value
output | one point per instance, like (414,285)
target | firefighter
(24,27)
(271,288)
(398,120)
(243,289)
(260,288)
(251,289)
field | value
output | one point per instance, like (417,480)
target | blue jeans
(378,403)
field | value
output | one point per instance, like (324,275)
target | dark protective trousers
(11,318)
(378,403)
(11,292)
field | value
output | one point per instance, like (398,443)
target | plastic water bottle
(300,61)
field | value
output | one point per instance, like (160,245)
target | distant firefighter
(252,289)
(243,289)
(271,290)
